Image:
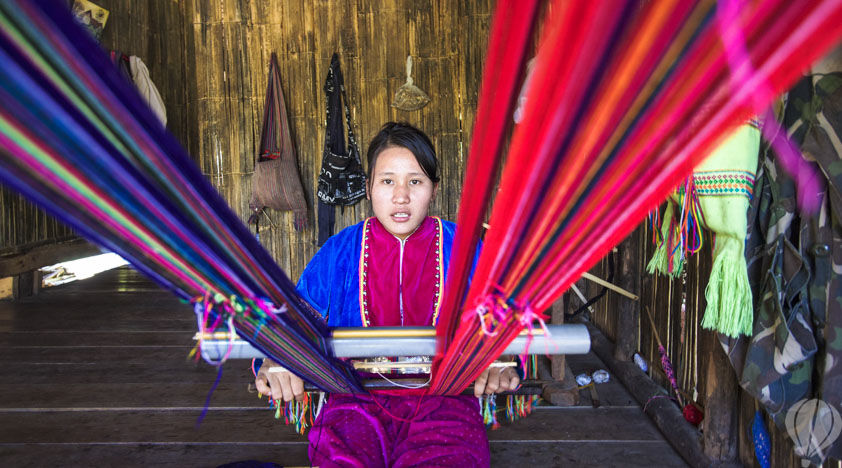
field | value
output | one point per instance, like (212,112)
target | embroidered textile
(331,281)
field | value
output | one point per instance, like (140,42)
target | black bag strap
(334,140)
(352,147)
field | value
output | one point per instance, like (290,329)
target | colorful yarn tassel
(668,258)
(728,292)
(680,236)
(488,407)
(299,414)
(691,219)
(519,406)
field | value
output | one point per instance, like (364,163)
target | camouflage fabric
(795,266)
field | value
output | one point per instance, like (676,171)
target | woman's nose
(400,194)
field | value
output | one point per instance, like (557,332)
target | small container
(601,376)
(638,359)
(583,379)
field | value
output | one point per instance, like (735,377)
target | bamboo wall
(24,226)
(209,60)
(229,43)
(153,30)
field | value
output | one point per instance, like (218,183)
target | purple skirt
(399,431)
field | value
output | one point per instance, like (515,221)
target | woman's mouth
(400,217)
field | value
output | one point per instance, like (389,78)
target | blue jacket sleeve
(330,282)
(315,282)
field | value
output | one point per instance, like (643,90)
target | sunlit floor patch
(66,272)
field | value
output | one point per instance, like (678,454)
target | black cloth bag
(341,179)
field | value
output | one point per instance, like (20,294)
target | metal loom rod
(415,341)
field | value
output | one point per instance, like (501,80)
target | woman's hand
(496,379)
(279,383)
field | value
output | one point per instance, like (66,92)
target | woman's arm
(315,287)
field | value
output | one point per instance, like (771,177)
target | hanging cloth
(276,183)
(717,198)
(144,84)
(134,70)
(341,179)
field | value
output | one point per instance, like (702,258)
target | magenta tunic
(399,283)
(406,282)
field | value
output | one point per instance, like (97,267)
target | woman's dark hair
(404,135)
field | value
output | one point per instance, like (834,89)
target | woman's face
(399,191)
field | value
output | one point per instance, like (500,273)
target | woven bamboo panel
(229,43)
(154,31)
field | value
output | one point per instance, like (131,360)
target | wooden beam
(26,284)
(610,286)
(13,265)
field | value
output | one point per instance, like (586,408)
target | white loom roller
(408,341)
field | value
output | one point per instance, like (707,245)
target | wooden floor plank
(580,423)
(95,373)
(578,454)
(148,455)
(115,372)
(169,354)
(503,454)
(144,426)
(112,338)
(144,394)
(101,323)
(171,424)
(115,395)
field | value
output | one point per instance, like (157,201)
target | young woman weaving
(389,271)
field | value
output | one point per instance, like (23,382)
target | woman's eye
(415,181)
(387,181)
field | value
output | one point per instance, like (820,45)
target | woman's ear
(367,190)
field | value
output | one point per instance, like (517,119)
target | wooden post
(628,315)
(24,285)
(558,362)
(563,392)
(720,425)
